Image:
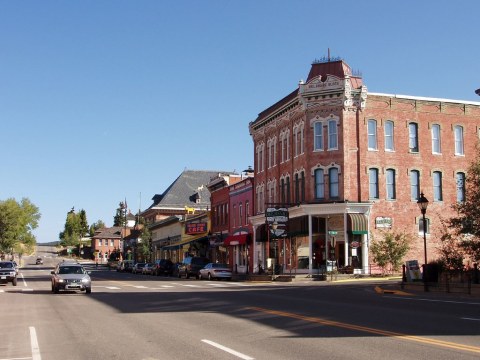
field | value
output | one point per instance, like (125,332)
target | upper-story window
(422,226)
(458,140)
(436,141)
(283,194)
(285,145)
(234,216)
(287,189)
(333,182)
(391,185)
(297,188)
(372,134)
(318,136)
(319,184)
(437,186)
(99,242)
(260,158)
(247,211)
(332,134)
(413,137)
(460,180)
(414,184)
(389,138)
(272,150)
(240,214)
(373,183)
(298,139)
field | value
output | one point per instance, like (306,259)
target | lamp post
(423,204)
(274,227)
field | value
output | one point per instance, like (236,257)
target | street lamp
(422,203)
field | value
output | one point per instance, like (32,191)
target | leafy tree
(391,249)
(76,227)
(451,251)
(466,224)
(17,221)
(146,244)
(95,226)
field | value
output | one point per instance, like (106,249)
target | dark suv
(162,267)
(191,266)
(8,273)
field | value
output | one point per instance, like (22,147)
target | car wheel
(56,290)
(88,290)
(209,276)
(14,282)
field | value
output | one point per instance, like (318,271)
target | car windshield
(8,265)
(71,270)
(219,266)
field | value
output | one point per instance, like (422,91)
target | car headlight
(13,273)
(61,280)
(85,280)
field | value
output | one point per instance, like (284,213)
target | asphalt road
(143,317)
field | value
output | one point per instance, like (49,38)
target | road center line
(34,344)
(23,279)
(400,336)
(226,349)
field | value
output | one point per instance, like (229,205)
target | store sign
(195,228)
(382,222)
(279,217)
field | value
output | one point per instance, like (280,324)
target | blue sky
(106,100)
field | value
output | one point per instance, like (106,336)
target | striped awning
(357,224)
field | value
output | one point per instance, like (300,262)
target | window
(111,242)
(247,211)
(287,184)
(425,226)
(437,186)
(99,242)
(234,215)
(372,135)
(282,190)
(302,187)
(318,136)
(373,183)
(458,140)
(333,182)
(390,181)
(389,144)
(332,135)
(240,214)
(319,184)
(297,188)
(436,145)
(298,139)
(413,137)
(415,184)
(460,178)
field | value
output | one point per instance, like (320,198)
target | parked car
(125,265)
(215,271)
(191,265)
(8,273)
(137,268)
(147,269)
(163,267)
(39,261)
(70,276)
(175,269)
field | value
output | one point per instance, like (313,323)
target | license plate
(72,287)
(4,277)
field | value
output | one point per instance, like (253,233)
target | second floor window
(422,226)
(390,181)
(436,145)
(437,186)
(332,135)
(372,135)
(318,136)
(373,183)
(458,140)
(414,184)
(389,140)
(333,182)
(413,137)
(319,184)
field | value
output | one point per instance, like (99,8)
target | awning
(236,240)
(357,224)
(180,243)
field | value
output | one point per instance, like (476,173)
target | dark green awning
(357,224)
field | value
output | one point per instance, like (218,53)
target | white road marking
(140,287)
(433,300)
(230,351)
(27,289)
(218,285)
(473,319)
(24,282)
(194,286)
(34,344)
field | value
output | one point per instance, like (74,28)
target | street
(144,317)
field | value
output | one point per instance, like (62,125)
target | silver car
(70,276)
(215,271)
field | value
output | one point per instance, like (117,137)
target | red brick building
(348,164)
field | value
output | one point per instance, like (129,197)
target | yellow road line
(379,290)
(400,336)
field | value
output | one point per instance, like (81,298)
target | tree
(451,251)
(17,221)
(146,244)
(120,218)
(76,227)
(390,250)
(95,226)
(466,224)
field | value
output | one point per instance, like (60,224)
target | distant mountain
(52,243)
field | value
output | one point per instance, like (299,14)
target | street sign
(332,232)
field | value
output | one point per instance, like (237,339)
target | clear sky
(106,100)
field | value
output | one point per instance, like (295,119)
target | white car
(215,271)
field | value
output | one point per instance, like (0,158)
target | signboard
(332,232)
(278,216)
(383,222)
(413,270)
(195,228)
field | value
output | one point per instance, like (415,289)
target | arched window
(391,186)
(372,134)
(389,138)
(333,182)
(319,184)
